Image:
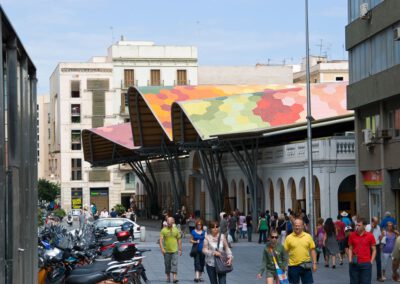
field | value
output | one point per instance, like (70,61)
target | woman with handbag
(218,255)
(388,241)
(274,260)
(198,236)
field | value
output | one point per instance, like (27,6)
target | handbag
(281,274)
(193,251)
(221,265)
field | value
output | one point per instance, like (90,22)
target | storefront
(373,181)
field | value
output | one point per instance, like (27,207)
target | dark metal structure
(18,160)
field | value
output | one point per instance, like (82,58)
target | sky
(235,32)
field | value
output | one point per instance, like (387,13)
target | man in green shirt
(170,245)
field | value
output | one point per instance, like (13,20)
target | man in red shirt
(362,252)
(340,236)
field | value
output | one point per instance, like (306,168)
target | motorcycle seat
(92,278)
(98,266)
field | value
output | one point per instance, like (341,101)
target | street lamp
(309,133)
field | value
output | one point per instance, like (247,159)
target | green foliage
(47,190)
(119,208)
(60,213)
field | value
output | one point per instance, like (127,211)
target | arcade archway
(347,195)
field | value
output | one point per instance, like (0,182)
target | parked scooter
(70,218)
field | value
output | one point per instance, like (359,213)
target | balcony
(335,148)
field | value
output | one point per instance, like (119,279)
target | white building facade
(283,175)
(43,139)
(93,94)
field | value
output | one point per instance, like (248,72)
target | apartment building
(323,70)
(43,136)
(373,42)
(93,94)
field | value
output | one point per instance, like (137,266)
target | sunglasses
(274,237)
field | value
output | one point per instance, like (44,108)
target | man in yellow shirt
(301,249)
(170,244)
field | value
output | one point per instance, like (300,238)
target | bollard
(142,233)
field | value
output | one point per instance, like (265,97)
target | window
(75,139)
(182,77)
(124,102)
(76,113)
(129,78)
(372,122)
(394,122)
(339,78)
(130,180)
(48,118)
(48,133)
(75,89)
(76,169)
(155,77)
(76,198)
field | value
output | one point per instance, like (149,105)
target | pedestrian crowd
(291,254)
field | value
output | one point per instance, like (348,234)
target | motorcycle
(70,219)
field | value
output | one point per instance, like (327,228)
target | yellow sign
(76,203)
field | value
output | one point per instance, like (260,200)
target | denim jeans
(215,278)
(262,237)
(360,273)
(378,262)
(297,273)
(232,233)
(249,232)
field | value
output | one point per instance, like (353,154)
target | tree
(47,190)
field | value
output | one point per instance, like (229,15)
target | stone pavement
(247,260)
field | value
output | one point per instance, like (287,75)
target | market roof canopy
(109,145)
(256,112)
(150,107)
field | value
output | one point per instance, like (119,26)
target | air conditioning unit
(367,136)
(364,11)
(396,33)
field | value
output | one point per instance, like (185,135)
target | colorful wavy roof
(267,109)
(160,99)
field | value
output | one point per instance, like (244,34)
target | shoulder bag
(193,251)
(221,265)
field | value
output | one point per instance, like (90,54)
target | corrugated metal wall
(18,160)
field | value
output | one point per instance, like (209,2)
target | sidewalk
(247,260)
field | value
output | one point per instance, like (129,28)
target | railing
(324,149)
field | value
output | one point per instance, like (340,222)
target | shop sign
(373,178)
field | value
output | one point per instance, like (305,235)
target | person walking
(330,242)
(340,234)
(262,229)
(375,229)
(345,218)
(198,236)
(362,252)
(281,228)
(104,213)
(191,222)
(214,243)
(396,260)
(273,249)
(388,241)
(233,226)
(242,220)
(170,244)
(388,218)
(249,222)
(302,256)
(319,238)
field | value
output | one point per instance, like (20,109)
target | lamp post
(309,133)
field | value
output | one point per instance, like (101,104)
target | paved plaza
(247,260)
